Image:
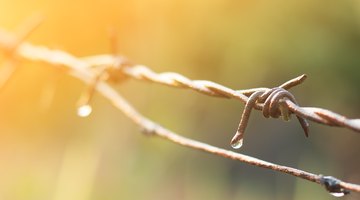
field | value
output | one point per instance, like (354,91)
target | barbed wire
(141,72)
(274,102)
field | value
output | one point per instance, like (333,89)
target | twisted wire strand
(318,115)
(141,72)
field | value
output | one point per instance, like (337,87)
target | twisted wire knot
(273,104)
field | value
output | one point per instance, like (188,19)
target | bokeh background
(48,152)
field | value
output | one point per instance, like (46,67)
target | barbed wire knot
(272,103)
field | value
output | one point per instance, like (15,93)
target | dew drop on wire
(237,144)
(285,115)
(84,110)
(337,194)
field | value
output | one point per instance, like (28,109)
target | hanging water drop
(84,110)
(238,144)
(337,194)
(285,114)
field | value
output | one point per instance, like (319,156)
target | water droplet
(237,144)
(337,194)
(84,110)
(284,113)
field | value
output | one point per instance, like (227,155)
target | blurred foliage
(47,152)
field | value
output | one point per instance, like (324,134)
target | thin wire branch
(82,69)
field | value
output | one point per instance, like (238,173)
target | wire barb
(237,140)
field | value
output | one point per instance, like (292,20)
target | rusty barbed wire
(141,72)
(117,67)
(319,115)
(273,102)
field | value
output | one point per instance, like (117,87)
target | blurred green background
(48,152)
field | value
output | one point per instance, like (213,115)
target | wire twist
(275,106)
(273,101)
